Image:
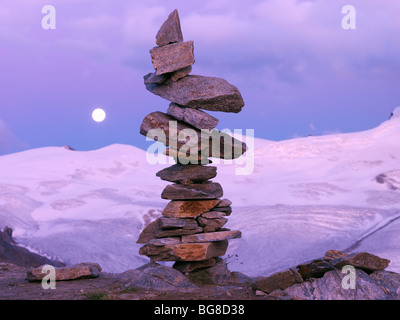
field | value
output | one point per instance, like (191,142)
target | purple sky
(298,70)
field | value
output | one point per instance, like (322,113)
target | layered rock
(191,230)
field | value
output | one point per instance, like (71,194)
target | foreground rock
(79,271)
(380,285)
(156,277)
(325,279)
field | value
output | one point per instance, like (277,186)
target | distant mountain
(304,197)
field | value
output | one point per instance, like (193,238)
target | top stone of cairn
(170,31)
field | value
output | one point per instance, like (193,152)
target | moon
(98,115)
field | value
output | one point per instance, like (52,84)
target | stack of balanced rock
(191,230)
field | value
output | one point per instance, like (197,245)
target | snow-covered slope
(305,196)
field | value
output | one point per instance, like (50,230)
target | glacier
(304,197)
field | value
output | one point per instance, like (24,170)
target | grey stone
(218,274)
(212,236)
(152,78)
(168,223)
(153,276)
(195,173)
(197,118)
(329,287)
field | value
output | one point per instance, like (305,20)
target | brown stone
(78,271)
(212,236)
(314,269)
(172,57)
(197,118)
(179,74)
(224,203)
(170,31)
(334,254)
(190,266)
(195,173)
(188,209)
(211,225)
(185,251)
(362,260)
(279,280)
(201,92)
(192,191)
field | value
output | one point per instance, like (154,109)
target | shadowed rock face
(10,252)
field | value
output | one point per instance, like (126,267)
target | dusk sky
(299,71)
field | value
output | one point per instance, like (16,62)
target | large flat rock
(195,173)
(208,93)
(192,191)
(185,251)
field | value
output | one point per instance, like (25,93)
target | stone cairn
(191,230)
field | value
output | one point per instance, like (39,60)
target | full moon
(98,115)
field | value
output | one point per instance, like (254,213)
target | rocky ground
(14,286)
(316,280)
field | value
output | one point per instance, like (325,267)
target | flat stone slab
(362,260)
(195,173)
(78,271)
(192,191)
(188,209)
(212,236)
(200,92)
(185,251)
(172,57)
